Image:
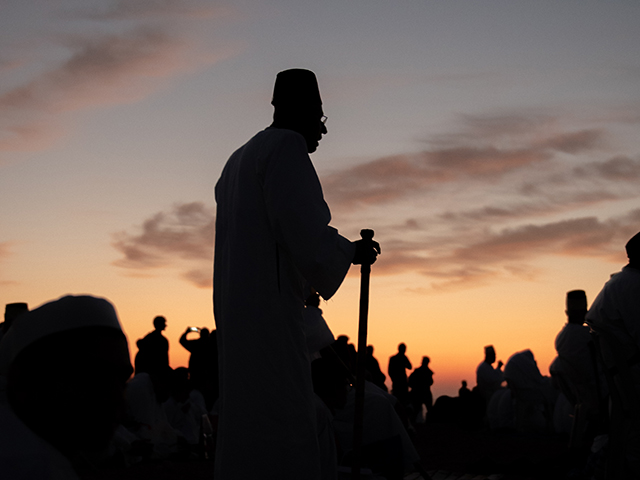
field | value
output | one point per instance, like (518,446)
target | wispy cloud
(463,261)
(617,169)
(181,238)
(483,149)
(485,201)
(574,142)
(391,178)
(118,62)
(480,205)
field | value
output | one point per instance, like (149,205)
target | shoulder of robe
(282,138)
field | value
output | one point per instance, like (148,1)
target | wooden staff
(365,274)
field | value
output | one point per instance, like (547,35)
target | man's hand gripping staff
(367,250)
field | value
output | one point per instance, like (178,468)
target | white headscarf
(66,313)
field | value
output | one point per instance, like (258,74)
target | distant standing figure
(574,369)
(373,367)
(489,379)
(346,351)
(203,363)
(398,365)
(464,390)
(153,354)
(420,382)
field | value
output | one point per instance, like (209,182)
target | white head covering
(67,313)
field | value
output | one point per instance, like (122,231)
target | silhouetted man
(153,355)
(398,365)
(575,363)
(347,352)
(616,313)
(273,243)
(488,378)
(373,367)
(66,365)
(203,363)
(420,382)
(463,391)
(617,306)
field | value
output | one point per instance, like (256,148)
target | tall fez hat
(576,300)
(633,247)
(296,87)
(12,310)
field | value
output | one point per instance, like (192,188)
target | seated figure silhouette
(386,447)
(184,407)
(66,364)
(398,365)
(144,415)
(533,394)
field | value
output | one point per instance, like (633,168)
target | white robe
(144,409)
(25,455)
(186,417)
(316,331)
(380,422)
(617,310)
(272,241)
(573,370)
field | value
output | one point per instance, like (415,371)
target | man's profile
(273,245)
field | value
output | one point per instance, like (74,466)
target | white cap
(67,313)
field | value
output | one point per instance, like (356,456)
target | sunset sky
(491,144)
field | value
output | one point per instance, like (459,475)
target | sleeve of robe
(300,217)
(618,303)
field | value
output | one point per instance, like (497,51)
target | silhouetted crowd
(70,405)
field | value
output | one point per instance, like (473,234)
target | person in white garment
(616,309)
(532,392)
(273,244)
(615,316)
(489,379)
(575,370)
(65,364)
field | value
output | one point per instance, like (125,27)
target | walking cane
(365,274)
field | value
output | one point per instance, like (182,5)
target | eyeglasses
(324,119)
